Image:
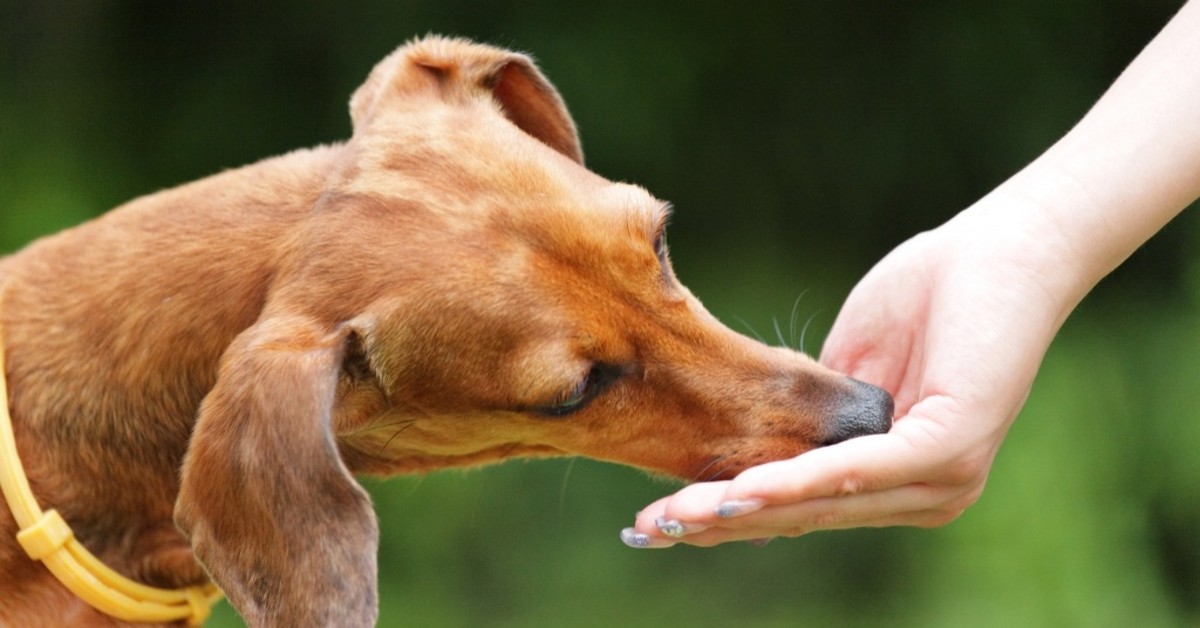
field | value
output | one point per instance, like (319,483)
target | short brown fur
(227,354)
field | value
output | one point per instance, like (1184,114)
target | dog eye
(600,377)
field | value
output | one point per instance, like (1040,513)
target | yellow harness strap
(47,537)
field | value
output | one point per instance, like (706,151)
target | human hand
(953,323)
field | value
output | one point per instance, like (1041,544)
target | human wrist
(1080,242)
(1123,172)
(1024,230)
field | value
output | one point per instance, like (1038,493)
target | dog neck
(47,537)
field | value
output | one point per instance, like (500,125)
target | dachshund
(197,376)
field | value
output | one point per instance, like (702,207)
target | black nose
(863,409)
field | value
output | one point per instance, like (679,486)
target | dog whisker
(804,330)
(778,332)
(792,319)
(416,485)
(562,492)
(699,474)
(374,426)
(718,473)
(750,328)
(407,424)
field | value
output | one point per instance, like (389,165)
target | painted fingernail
(675,528)
(639,540)
(739,507)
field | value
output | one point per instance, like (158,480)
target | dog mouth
(863,410)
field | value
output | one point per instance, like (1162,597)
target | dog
(197,376)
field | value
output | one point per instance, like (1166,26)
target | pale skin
(955,322)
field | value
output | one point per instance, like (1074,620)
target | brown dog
(449,287)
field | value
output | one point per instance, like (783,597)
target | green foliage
(799,141)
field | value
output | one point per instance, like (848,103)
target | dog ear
(458,66)
(270,508)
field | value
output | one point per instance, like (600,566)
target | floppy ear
(271,510)
(458,67)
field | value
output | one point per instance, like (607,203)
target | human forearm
(1130,165)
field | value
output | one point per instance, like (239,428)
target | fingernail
(639,540)
(739,507)
(675,528)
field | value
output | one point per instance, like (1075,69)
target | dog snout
(862,410)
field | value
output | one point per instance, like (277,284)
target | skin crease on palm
(955,322)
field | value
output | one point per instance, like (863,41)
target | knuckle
(851,484)
(968,498)
(953,506)
(822,520)
(793,532)
(939,518)
(969,469)
(960,473)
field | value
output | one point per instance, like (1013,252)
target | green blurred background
(799,142)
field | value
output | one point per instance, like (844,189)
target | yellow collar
(47,537)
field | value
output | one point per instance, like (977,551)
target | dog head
(466,291)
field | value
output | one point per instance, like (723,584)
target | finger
(830,513)
(910,453)
(865,464)
(862,466)
(717,536)
(694,504)
(937,505)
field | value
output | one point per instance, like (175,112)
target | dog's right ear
(457,68)
(270,508)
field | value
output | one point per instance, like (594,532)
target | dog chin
(397,462)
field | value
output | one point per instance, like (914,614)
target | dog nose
(863,410)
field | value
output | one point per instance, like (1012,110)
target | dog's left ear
(270,508)
(457,67)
